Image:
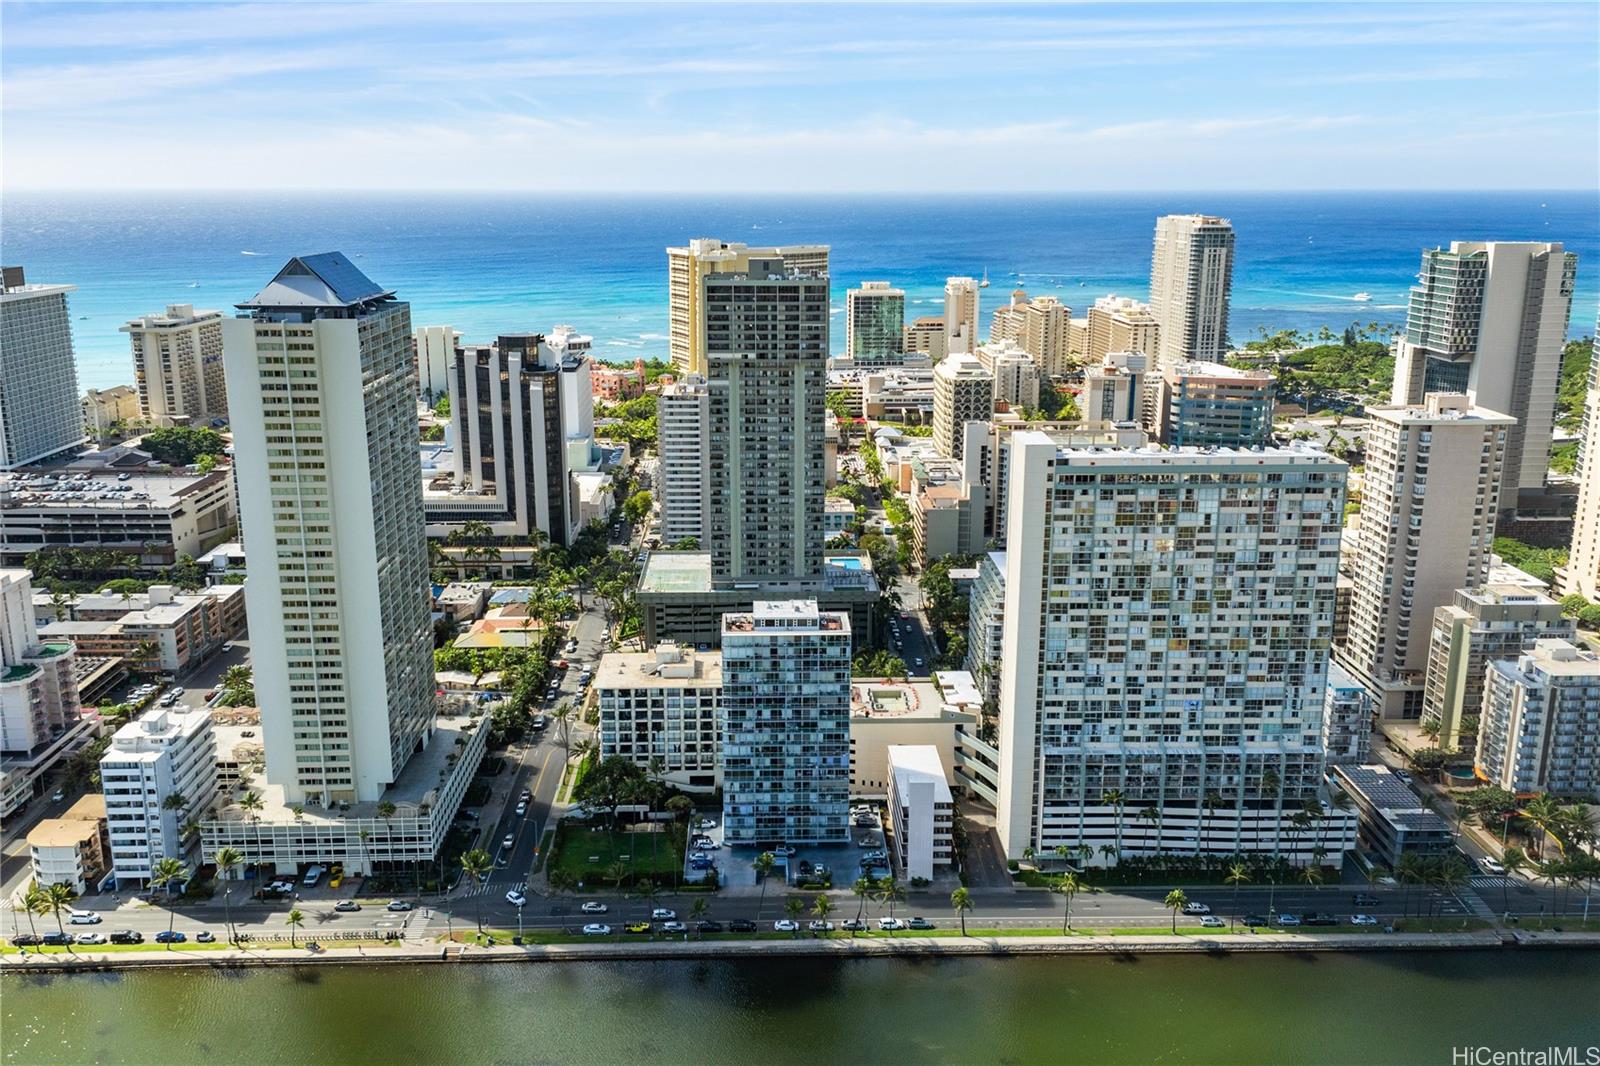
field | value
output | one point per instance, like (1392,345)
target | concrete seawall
(923,947)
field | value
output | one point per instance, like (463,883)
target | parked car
(784,851)
(1288,919)
(636,927)
(708,927)
(83,918)
(91,938)
(674,927)
(1363,919)
(705,823)
(397,905)
(1196,908)
(515,898)
(1256,921)
(170,936)
(57,940)
(596,929)
(26,940)
(663,914)
(313,875)
(205,936)
(701,864)
(919,923)
(1319,919)
(818,925)
(1211,921)
(741,925)
(594,906)
(58,795)
(891,924)
(786,925)
(853,925)
(127,936)
(347,906)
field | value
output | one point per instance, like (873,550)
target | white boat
(1362,297)
(984,284)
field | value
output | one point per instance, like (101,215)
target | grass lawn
(587,853)
(81,950)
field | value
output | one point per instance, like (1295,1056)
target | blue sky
(791,97)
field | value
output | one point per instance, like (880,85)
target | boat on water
(984,284)
(1362,297)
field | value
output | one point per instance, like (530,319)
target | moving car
(205,936)
(168,936)
(636,927)
(594,906)
(741,925)
(1196,908)
(1363,919)
(507,843)
(346,906)
(83,918)
(662,914)
(1211,921)
(786,925)
(397,905)
(58,795)
(127,936)
(596,929)
(1493,866)
(1364,899)
(522,809)
(515,898)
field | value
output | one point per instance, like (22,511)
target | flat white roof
(918,762)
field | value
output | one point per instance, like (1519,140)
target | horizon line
(797,193)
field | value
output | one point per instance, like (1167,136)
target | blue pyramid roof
(327,279)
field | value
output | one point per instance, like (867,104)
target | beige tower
(687,268)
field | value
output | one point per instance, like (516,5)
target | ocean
(490,264)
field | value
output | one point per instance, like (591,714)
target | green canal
(1410,1008)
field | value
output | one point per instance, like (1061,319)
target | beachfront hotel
(687,269)
(1121,324)
(1166,626)
(1191,276)
(177,366)
(960,314)
(40,413)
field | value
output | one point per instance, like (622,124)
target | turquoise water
(1368,1009)
(491,264)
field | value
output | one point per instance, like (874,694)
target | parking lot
(842,862)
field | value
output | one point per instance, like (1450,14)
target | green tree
(862,890)
(294,920)
(961,903)
(821,907)
(163,875)
(697,913)
(476,864)
(33,901)
(637,507)
(1069,885)
(1238,874)
(794,907)
(1176,900)
(228,860)
(891,892)
(763,866)
(182,445)
(60,896)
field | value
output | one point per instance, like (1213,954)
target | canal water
(1409,1008)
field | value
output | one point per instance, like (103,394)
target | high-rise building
(1480,626)
(160,771)
(1541,721)
(1047,335)
(1581,575)
(963,391)
(960,314)
(1010,320)
(1425,529)
(1490,319)
(875,321)
(986,624)
(177,366)
(683,438)
(1113,389)
(1206,404)
(1120,324)
(786,724)
(1191,274)
(926,335)
(436,351)
(39,411)
(687,268)
(322,392)
(662,709)
(1016,374)
(1167,621)
(38,689)
(765,333)
(522,412)
(1346,719)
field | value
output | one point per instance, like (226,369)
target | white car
(509,842)
(594,906)
(817,925)
(1288,919)
(1493,866)
(784,851)
(785,925)
(91,938)
(674,927)
(84,918)
(597,929)
(1211,921)
(889,925)
(522,809)
(1196,908)
(1363,919)
(663,914)
(515,898)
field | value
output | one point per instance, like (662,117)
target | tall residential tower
(687,268)
(177,365)
(40,415)
(1191,275)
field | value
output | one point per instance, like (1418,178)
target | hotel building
(687,269)
(1191,276)
(177,366)
(40,415)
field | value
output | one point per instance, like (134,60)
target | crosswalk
(1495,881)
(484,889)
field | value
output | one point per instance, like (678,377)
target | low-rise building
(662,709)
(837,514)
(614,383)
(921,809)
(1212,405)
(463,600)
(1541,722)
(1346,718)
(104,408)
(886,711)
(162,628)
(1393,821)
(71,850)
(152,516)
(159,772)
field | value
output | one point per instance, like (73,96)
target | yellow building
(687,268)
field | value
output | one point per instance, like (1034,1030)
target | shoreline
(907,947)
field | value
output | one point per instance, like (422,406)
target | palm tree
(794,907)
(60,896)
(228,860)
(1408,871)
(1543,812)
(861,889)
(33,901)
(251,804)
(1176,900)
(294,921)
(1513,859)
(477,863)
(763,866)
(821,907)
(697,912)
(1311,875)
(1068,884)
(1208,805)
(1150,816)
(163,875)
(961,903)
(891,892)
(1113,797)
(1238,874)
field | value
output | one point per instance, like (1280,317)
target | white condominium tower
(1581,575)
(1541,721)
(963,391)
(177,365)
(1168,616)
(766,357)
(1425,529)
(1118,324)
(687,268)
(960,314)
(875,322)
(1490,319)
(1191,273)
(40,415)
(683,419)
(436,350)
(786,724)
(322,390)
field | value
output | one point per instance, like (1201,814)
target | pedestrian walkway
(1476,904)
(1494,881)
